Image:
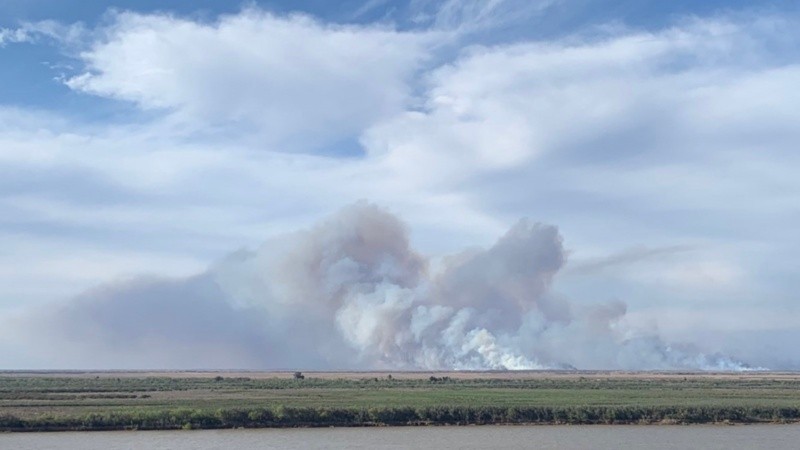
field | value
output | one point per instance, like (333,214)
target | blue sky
(144,138)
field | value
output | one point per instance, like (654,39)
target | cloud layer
(666,156)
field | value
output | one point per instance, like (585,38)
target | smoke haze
(351,293)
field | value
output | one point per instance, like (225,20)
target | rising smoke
(350,293)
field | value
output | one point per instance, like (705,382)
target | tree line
(398,416)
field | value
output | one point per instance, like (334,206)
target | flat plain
(31,401)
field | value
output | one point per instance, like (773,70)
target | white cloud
(293,82)
(13,35)
(501,107)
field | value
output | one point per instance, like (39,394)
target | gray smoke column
(352,293)
(369,300)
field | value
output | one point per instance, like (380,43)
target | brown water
(510,437)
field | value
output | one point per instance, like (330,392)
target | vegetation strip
(30,403)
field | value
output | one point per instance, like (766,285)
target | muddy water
(510,437)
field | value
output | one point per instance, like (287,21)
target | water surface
(471,437)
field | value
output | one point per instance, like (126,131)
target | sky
(163,161)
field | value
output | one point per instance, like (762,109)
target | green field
(106,401)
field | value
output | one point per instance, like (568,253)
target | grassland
(153,400)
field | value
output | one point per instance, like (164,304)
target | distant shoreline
(410,374)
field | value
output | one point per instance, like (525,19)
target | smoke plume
(351,293)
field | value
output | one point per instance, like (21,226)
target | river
(471,437)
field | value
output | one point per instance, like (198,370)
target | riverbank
(101,401)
